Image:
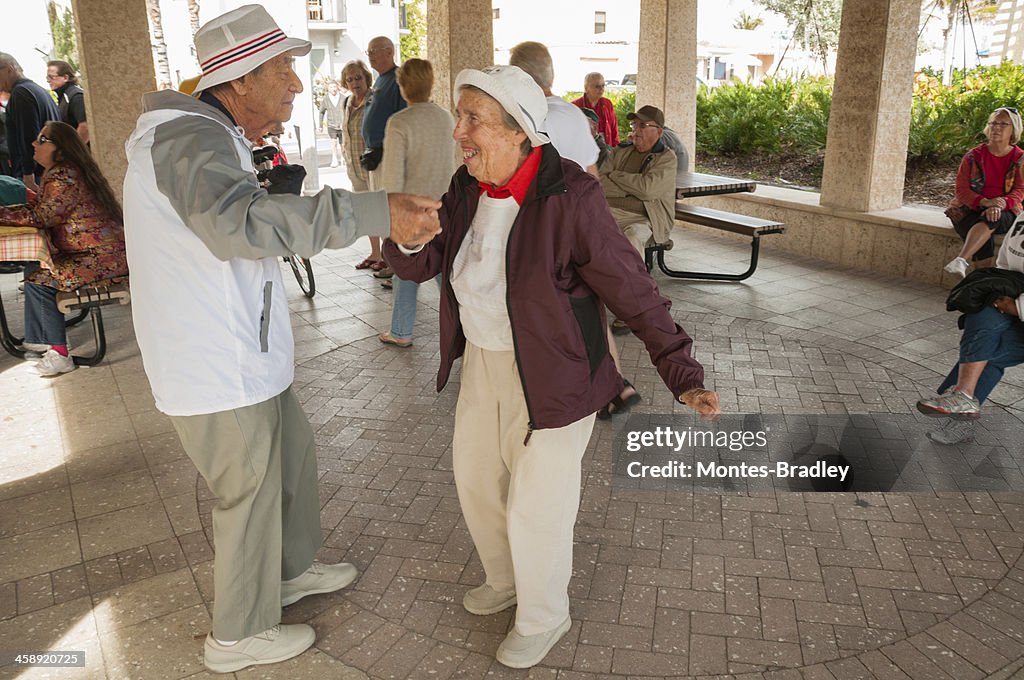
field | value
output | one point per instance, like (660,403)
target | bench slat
(727,221)
(93,296)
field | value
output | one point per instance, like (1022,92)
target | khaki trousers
(520,502)
(636,228)
(260,463)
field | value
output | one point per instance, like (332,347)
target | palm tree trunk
(156,31)
(952,11)
(193,15)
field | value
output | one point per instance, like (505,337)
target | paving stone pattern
(106,541)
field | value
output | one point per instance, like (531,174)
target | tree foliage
(815,23)
(746,22)
(413,43)
(65,41)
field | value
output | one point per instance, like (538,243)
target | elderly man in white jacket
(212,323)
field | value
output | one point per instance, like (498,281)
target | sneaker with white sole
(34,351)
(54,364)
(957,265)
(485,600)
(526,651)
(319,578)
(953,432)
(951,403)
(280,643)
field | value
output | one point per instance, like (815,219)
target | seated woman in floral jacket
(78,209)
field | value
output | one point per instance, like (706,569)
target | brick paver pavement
(105,526)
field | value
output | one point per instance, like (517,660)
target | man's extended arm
(198,170)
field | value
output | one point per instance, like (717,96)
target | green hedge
(790,115)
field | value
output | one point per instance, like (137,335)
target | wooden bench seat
(754,227)
(89,300)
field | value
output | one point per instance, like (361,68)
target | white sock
(226,643)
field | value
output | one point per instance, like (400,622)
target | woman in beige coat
(419,157)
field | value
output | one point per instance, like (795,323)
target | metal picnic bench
(693,184)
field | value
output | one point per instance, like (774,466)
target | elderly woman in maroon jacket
(528,254)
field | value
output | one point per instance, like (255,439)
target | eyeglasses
(50,78)
(1000,125)
(638,126)
(42,139)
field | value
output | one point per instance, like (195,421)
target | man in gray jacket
(211,319)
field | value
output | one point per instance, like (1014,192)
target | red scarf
(520,181)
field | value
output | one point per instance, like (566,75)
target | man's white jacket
(202,237)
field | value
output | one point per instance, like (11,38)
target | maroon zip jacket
(565,257)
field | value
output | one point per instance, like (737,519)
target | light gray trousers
(260,463)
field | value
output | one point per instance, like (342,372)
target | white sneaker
(484,600)
(319,578)
(526,651)
(53,364)
(34,351)
(274,645)
(951,403)
(957,265)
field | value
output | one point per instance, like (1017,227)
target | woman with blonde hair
(419,157)
(356,78)
(989,189)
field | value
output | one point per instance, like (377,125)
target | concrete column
(117,68)
(866,151)
(460,34)
(667,72)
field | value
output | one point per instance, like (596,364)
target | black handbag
(371,158)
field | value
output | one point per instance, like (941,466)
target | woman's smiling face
(490,150)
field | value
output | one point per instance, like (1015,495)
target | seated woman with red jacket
(82,217)
(989,189)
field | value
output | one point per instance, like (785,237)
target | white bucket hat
(517,93)
(237,42)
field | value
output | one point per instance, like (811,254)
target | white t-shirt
(478,275)
(570,132)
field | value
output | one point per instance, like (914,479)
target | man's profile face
(54,79)
(271,91)
(381,55)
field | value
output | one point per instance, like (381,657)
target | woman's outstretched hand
(705,402)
